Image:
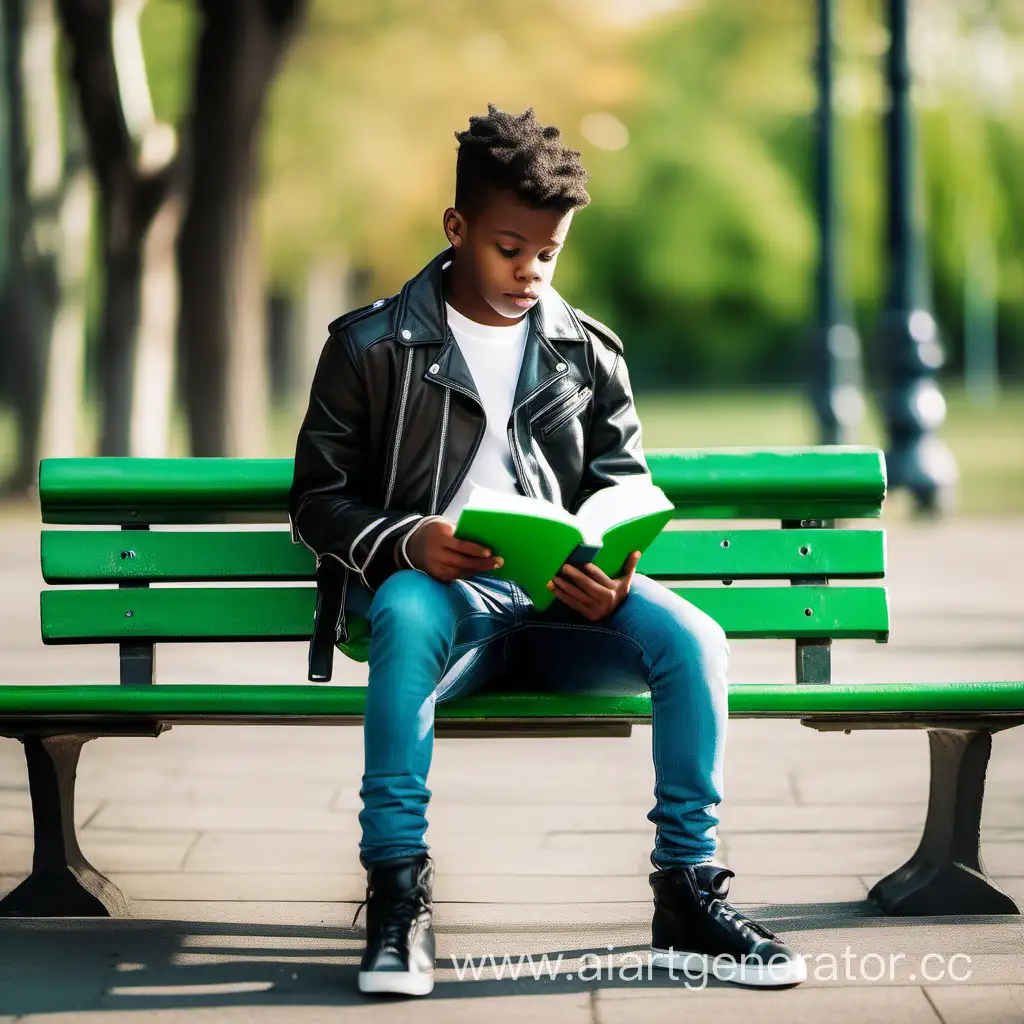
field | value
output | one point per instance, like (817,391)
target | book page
(630,498)
(487,499)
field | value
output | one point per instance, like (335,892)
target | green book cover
(536,538)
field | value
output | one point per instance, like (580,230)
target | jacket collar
(421,316)
(421,320)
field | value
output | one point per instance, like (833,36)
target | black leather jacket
(394,420)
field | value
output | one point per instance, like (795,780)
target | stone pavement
(238,845)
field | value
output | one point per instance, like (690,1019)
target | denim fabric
(434,641)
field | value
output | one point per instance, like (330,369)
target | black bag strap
(329,626)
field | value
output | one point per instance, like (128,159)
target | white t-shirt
(494,356)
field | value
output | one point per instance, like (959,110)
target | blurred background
(798,236)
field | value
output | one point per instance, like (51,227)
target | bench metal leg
(946,874)
(63,883)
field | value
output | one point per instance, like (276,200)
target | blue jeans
(434,641)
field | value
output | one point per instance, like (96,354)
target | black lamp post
(914,407)
(836,376)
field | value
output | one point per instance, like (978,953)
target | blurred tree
(31,200)
(695,121)
(133,162)
(360,148)
(222,332)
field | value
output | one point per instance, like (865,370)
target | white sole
(405,983)
(694,965)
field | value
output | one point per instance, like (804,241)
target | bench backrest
(806,489)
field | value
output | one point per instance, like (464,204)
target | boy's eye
(508,253)
(546,257)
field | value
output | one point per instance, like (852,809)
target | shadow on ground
(84,964)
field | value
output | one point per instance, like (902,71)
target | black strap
(329,627)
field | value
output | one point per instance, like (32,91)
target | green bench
(807,489)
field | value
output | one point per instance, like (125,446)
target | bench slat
(787,700)
(285,613)
(719,483)
(97,556)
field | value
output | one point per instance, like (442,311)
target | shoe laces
(402,907)
(732,916)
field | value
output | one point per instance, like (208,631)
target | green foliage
(700,245)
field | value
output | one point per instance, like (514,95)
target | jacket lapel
(421,320)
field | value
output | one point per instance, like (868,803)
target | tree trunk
(153,391)
(30,286)
(65,379)
(130,200)
(223,353)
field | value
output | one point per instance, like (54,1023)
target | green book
(536,537)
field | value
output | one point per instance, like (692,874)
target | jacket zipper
(440,452)
(570,411)
(516,459)
(554,401)
(398,429)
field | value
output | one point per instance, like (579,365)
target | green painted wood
(212,700)
(782,483)
(97,556)
(285,613)
(778,483)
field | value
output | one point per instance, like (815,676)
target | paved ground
(238,845)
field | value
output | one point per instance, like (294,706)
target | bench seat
(216,704)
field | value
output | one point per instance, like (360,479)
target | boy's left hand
(593,594)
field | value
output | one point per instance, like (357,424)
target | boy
(478,372)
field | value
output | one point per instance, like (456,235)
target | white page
(629,498)
(487,499)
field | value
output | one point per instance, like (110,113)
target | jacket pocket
(551,418)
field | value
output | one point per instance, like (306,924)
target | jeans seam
(604,630)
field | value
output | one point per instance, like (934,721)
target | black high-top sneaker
(696,931)
(399,954)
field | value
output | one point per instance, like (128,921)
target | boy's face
(505,256)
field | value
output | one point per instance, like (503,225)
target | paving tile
(763,818)
(109,850)
(572,1008)
(17,820)
(801,1005)
(820,853)
(201,817)
(991,1004)
(1012,884)
(350,886)
(120,850)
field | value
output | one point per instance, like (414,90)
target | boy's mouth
(524,300)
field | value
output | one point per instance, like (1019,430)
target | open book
(536,537)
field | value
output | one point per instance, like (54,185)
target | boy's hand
(593,594)
(434,549)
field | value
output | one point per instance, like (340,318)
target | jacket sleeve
(326,505)
(614,445)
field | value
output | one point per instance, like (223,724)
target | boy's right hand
(435,549)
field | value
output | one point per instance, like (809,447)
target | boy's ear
(454,227)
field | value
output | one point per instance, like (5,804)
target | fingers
(597,574)
(467,564)
(588,584)
(573,596)
(630,567)
(467,547)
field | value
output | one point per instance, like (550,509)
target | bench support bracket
(63,883)
(946,874)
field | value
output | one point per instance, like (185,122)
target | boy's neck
(463,297)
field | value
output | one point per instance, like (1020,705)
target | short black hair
(516,153)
